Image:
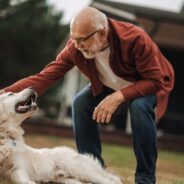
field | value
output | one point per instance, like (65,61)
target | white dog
(26,165)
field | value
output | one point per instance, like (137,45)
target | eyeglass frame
(79,40)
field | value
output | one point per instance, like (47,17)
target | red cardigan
(134,57)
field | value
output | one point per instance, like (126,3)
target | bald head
(88,20)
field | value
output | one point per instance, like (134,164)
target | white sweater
(106,75)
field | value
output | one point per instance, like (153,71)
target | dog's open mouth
(27,104)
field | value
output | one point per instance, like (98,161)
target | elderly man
(123,65)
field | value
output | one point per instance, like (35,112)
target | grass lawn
(120,160)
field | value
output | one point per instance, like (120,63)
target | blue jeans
(143,131)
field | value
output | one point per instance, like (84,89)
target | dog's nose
(32,90)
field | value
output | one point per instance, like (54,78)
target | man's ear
(102,33)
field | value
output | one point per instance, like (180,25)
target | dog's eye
(10,94)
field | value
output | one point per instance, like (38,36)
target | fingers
(108,118)
(101,115)
(103,112)
(95,113)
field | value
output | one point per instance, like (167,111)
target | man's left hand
(103,112)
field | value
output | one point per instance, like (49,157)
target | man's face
(89,44)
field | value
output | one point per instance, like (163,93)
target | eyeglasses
(79,40)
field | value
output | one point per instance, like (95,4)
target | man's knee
(82,103)
(78,103)
(142,112)
(141,105)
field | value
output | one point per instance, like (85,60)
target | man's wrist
(120,96)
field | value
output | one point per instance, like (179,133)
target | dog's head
(17,107)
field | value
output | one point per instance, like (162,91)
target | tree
(30,34)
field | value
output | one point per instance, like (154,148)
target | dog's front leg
(20,177)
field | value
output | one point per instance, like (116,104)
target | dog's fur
(26,165)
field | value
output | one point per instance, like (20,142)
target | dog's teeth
(21,107)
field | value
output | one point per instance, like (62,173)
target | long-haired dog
(23,164)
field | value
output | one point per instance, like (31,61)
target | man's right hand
(2,91)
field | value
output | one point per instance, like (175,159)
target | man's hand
(2,91)
(103,112)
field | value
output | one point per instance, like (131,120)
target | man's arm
(152,67)
(155,70)
(47,77)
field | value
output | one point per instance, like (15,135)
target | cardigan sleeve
(147,59)
(47,77)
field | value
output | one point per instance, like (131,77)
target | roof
(165,26)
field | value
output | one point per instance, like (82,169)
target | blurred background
(32,32)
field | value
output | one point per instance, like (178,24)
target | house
(165,25)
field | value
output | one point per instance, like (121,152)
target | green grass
(170,165)
(121,161)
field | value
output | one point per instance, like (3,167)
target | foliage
(30,34)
